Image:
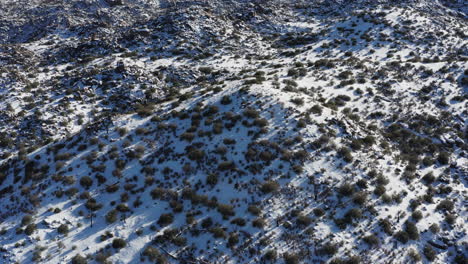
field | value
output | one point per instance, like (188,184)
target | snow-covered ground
(275,132)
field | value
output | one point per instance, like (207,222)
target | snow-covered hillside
(142,131)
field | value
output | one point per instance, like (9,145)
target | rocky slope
(233,131)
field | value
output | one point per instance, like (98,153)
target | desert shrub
(450,219)
(118,243)
(429,253)
(78,259)
(154,255)
(352,260)
(122,131)
(217,127)
(212,179)
(414,255)
(259,222)
(63,229)
(353,213)
(297,101)
(207,222)
(226,165)
(225,100)
(68,180)
(316,109)
(70,192)
(379,190)
(361,183)
(346,189)
(270,255)
(417,215)
(144,110)
(303,220)
(92,205)
(251,113)
(260,122)
(26,220)
(402,236)
(360,198)
(427,161)
(233,239)
(429,178)
(112,188)
(371,240)
(86,182)
(434,228)
(460,258)
(111,216)
(226,210)
(412,230)
(328,249)
(298,169)
(206,69)
(165,219)
(29,230)
(445,205)
(120,164)
(229,141)
(254,210)
(291,258)
(122,208)
(443,158)
(196,154)
(318,212)
(157,193)
(345,153)
(386,226)
(218,232)
(381,180)
(187,136)
(238,221)
(269,186)
(107,235)
(386,198)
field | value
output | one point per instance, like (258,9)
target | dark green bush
(118,243)
(402,236)
(269,186)
(371,240)
(412,230)
(429,253)
(86,182)
(346,189)
(78,259)
(291,258)
(29,230)
(154,255)
(26,220)
(270,255)
(445,205)
(63,229)
(165,219)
